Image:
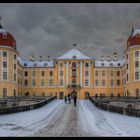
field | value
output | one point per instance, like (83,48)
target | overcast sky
(51,29)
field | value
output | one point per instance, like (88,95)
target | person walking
(69,98)
(75,100)
(65,98)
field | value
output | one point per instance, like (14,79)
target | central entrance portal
(74,92)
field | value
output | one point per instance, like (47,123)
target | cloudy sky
(51,29)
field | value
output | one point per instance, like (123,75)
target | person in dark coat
(75,100)
(65,98)
(69,98)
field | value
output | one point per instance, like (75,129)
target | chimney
(48,58)
(40,58)
(108,59)
(32,57)
(114,56)
(102,58)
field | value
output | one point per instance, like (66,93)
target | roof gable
(74,54)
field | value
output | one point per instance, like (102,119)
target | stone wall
(26,107)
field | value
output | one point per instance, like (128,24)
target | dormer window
(4,36)
(102,64)
(45,64)
(111,64)
(25,64)
(119,64)
(74,57)
(35,64)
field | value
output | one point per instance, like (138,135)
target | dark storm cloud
(50,29)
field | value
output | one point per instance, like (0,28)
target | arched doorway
(73,92)
(61,95)
(87,94)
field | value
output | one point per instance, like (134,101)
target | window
(96,73)
(33,83)
(96,82)
(119,64)
(103,73)
(51,73)
(111,73)
(118,82)
(86,83)
(136,63)
(136,53)
(137,92)
(127,66)
(118,73)
(111,83)
(50,82)
(61,73)
(74,64)
(102,64)
(103,83)
(4,75)
(26,83)
(42,73)
(73,82)
(5,64)
(127,77)
(15,56)
(42,83)
(4,54)
(33,73)
(61,64)
(21,72)
(14,66)
(26,73)
(4,92)
(136,75)
(127,56)
(86,64)
(86,73)
(18,71)
(18,81)
(61,83)
(73,72)
(15,77)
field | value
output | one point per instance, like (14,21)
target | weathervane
(0,22)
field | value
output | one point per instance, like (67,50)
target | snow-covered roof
(111,63)
(134,46)
(28,63)
(3,31)
(136,32)
(74,54)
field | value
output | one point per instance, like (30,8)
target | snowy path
(60,119)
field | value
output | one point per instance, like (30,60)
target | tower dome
(6,39)
(134,38)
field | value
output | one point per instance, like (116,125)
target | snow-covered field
(60,119)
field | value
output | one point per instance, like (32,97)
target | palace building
(72,72)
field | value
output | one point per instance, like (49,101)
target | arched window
(74,64)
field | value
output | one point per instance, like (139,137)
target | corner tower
(8,66)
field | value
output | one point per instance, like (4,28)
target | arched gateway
(73,92)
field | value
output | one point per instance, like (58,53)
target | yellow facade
(72,72)
(64,66)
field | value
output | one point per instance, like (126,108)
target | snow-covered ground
(60,119)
